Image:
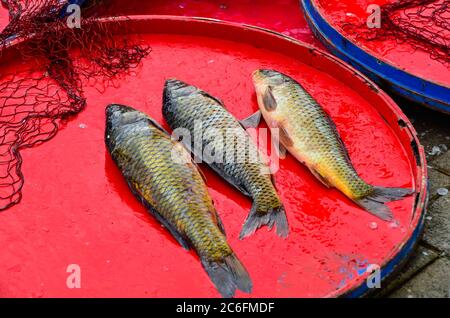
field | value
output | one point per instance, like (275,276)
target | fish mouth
(117,108)
(118,115)
(267,76)
(265,72)
(174,88)
(175,84)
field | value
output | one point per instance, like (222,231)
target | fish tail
(256,219)
(228,274)
(374,202)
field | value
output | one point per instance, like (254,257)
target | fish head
(263,78)
(118,117)
(176,97)
(267,82)
(174,89)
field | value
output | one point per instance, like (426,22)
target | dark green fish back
(175,193)
(241,164)
(212,115)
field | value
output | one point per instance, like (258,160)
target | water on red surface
(284,16)
(77,209)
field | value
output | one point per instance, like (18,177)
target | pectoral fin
(251,121)
(220,224)
(269,101)
(320,178)
(178,237)
(152,210)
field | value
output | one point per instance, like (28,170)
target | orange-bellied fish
(308,133)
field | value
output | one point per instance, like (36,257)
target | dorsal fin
(217,100)
(157,125)
(251,121)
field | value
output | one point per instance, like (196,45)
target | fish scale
(174,192)
(319,138)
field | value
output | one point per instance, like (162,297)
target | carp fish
(174,192)
(307,132)
(205,119)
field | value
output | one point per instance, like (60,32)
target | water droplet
(394,224)
(373,225)
(82,126)
(223,6)
(182,6)
(442,191)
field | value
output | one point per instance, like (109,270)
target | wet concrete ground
(427,273)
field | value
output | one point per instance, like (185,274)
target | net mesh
(35,103)
(424,24)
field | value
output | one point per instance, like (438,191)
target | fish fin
(200,171)
(272,217)
(382,194)
(207,95)
(177,235)
(285,139)
(280,150)
(336,133)
(376,208)
(218,220)
(220,224)
(374,202)
(319,177)
(251,121)
(228,275)
(269,101)
(157,125)
(272,177)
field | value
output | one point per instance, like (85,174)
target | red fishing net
(34,103)
(424,24)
